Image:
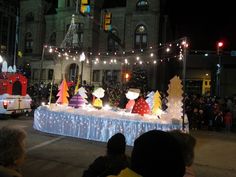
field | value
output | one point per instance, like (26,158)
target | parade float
(99,122)
(13,92)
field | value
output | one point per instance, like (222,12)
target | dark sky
(205,23)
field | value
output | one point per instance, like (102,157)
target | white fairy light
(137,58)
(154,62)
(151,54)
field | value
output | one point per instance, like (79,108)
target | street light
(220,46)
(82,59)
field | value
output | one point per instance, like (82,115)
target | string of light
(151,55)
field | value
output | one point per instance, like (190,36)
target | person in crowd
(219,121)
(228,118)
(12,151)
(113,162)
(187,143)
(155,154)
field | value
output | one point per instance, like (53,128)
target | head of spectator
(157,153)
(116,144)
(12,147)
(187,143)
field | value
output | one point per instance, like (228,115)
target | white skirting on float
(98,125)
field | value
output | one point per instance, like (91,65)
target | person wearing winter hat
(113,162)
(155,153)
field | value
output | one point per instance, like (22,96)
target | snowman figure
(132,94)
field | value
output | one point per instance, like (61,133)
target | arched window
(29,17)
(52,39)
(28,42)
(142,5)
(112,44)
(140,37)
(73,72)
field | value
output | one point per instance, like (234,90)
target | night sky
(205,23)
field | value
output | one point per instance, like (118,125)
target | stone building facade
(136,25)
(8,27)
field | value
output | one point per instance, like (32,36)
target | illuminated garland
(152,55)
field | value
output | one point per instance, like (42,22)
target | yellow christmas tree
(156,103)
(77,86)
(175,98)
(63,94)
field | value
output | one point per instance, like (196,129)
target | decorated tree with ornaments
(156,103)
(63,93)
(141,107)
(175,98)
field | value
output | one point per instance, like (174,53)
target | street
(58,156)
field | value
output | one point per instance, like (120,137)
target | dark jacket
(107,165)
(7,172)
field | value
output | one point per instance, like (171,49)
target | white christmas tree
(4,67)
(175,98)
(14,68)
(149,99)
(10,69)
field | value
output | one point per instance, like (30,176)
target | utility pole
(220,45)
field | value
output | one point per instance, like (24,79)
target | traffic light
(220,46)
(107,21)
(85,7)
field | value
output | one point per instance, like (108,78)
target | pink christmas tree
(63,94)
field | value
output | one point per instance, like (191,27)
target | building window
(73,72)
(28,43)
(96,75)
(112,76)
(50,74)
(29,17)
(67,3)
(112,44)
(52,39)
(140,37)
(142,5)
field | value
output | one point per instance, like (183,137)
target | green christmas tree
(175,98)
(138,78)
(156,103)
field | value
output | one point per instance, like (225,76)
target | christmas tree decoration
(139,78)
(77,101)
(63,94)
(141,107)
(149,99)
(77,86)
(175,97)
(98,93)
(132,94)
(4,67)
(157,103)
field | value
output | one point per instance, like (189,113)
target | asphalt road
(58,156)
